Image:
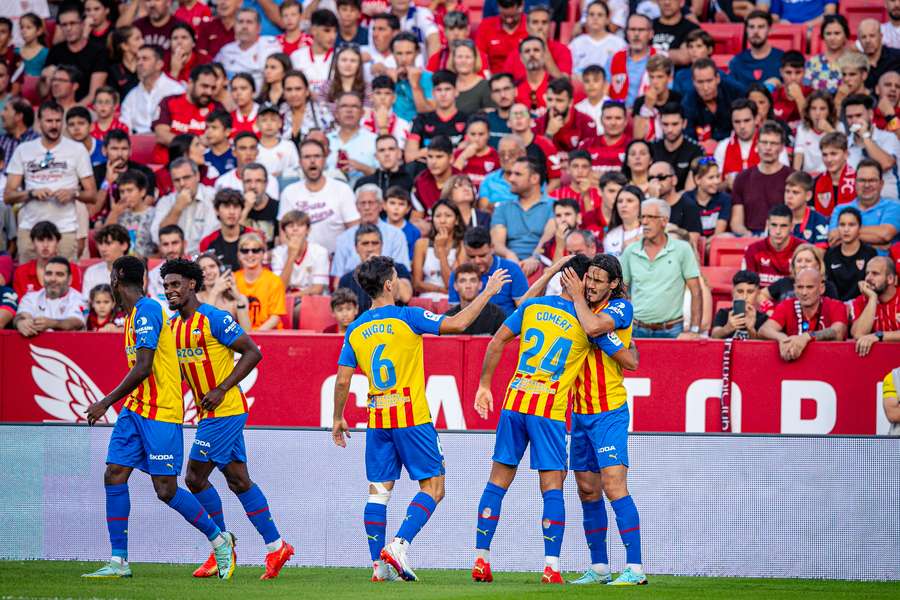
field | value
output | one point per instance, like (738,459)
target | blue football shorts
(155,447)
(416,448)
(600,440)
(220,440)
(547,438)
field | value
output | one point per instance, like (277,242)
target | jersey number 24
(552,361)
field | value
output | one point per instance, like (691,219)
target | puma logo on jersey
(482,531)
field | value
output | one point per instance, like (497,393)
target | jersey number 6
(382,370)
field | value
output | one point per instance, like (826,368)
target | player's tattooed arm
(250,357)
(837,332)
(341,393)
(143,366)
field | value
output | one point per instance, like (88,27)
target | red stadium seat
(722,61)
(426,303)
(729,37)
(315,313)
(816,46)
(536,275)
(726,304)
(728,252)
(788,36)
(701,249)
(30,89)
(142,145)
(719,280)
(287,319)
(49,30)
(857,10)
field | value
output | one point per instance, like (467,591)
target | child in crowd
(381,119)
(474,156)
(291,18)
(78,129)
(837,185)
(397,206)
(104,315)
(34,49)
(133,212)
(789,99)
(594,80)
(344,307)
(301,264)
(106,109)
(218,140)
(277,155)
(808,225)
(596,45)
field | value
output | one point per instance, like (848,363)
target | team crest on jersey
(573,140)
(489,165)
(860,264)
(824,199)
(618,81)
(460,127)
(196,332)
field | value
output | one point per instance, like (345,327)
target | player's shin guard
(488,515)
(118,506)
(257,508)
(629,524)
(210,500)
(595,526)
(417,514)
(554,522)
(375,521)
(193,512)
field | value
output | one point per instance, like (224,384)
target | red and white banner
(55,376)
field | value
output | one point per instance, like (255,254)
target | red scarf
(734,162)
(618,76)
(823,197)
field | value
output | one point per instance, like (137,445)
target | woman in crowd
(194,147)
(806,256)
(435,256)
(124,45)
(183,56)
(822,72)
(638,158)
(474,92)
(99,16)
(715,206)
(819,118)
(845,264)
(263,287)
(625,222)
(243,118)
(346,76)
(760,95)
(6,88)
(221,92)
(272,92)
(34,45)
(474,156)
(220,289)
(301,113)
(460,192)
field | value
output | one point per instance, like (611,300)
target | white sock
(636,568)
(404,545)
(552,562)
(218,541)
(119,560)
(600,568)
(483,554)
(378,564)
(274,545)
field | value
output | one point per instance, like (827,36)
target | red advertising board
(54,377)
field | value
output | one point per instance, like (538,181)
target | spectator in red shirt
(218,31)
(789,99)
(837,185)
(185,113)
(193,12)
(532,88)
(456,28)
(557,58)
(474,156)
(183,56)
(29,276)
(584,188)
(562,124)
(758,189)
(608,150)
(895,255)
(887,112)
(428,184)
(499,36)
(539,149)
(808,317)
(770,257)
(876,312)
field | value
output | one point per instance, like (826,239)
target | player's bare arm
(627,358)
(594,324)
(341,393)
(458,322)
(484,400)
(250,357)
(143,367)
(540,285)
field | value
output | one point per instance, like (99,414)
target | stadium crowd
(748,190)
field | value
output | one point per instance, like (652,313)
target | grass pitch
(49,579)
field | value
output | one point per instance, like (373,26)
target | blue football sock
(595,525)
(554,522)
(118,505)
(488,515)
(211,501)
(257,508)
(417,514)
(193,512)
(375,520)
(629,528)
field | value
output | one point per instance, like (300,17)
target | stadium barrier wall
(739,505)
(54,377)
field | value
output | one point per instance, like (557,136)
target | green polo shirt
(657,287)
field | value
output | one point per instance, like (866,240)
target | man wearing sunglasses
(456,29)
(48,176)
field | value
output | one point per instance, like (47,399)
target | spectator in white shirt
(56,307)
(189,206)
(315,61)
(48,176)
(419,21)
(171,245)
(246,151)
(113,241)
(141,104)
(352,146)
(890,30)
(249,51)
(277,155)
(867,141)
(596,44)
(329,203)
(301,264)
